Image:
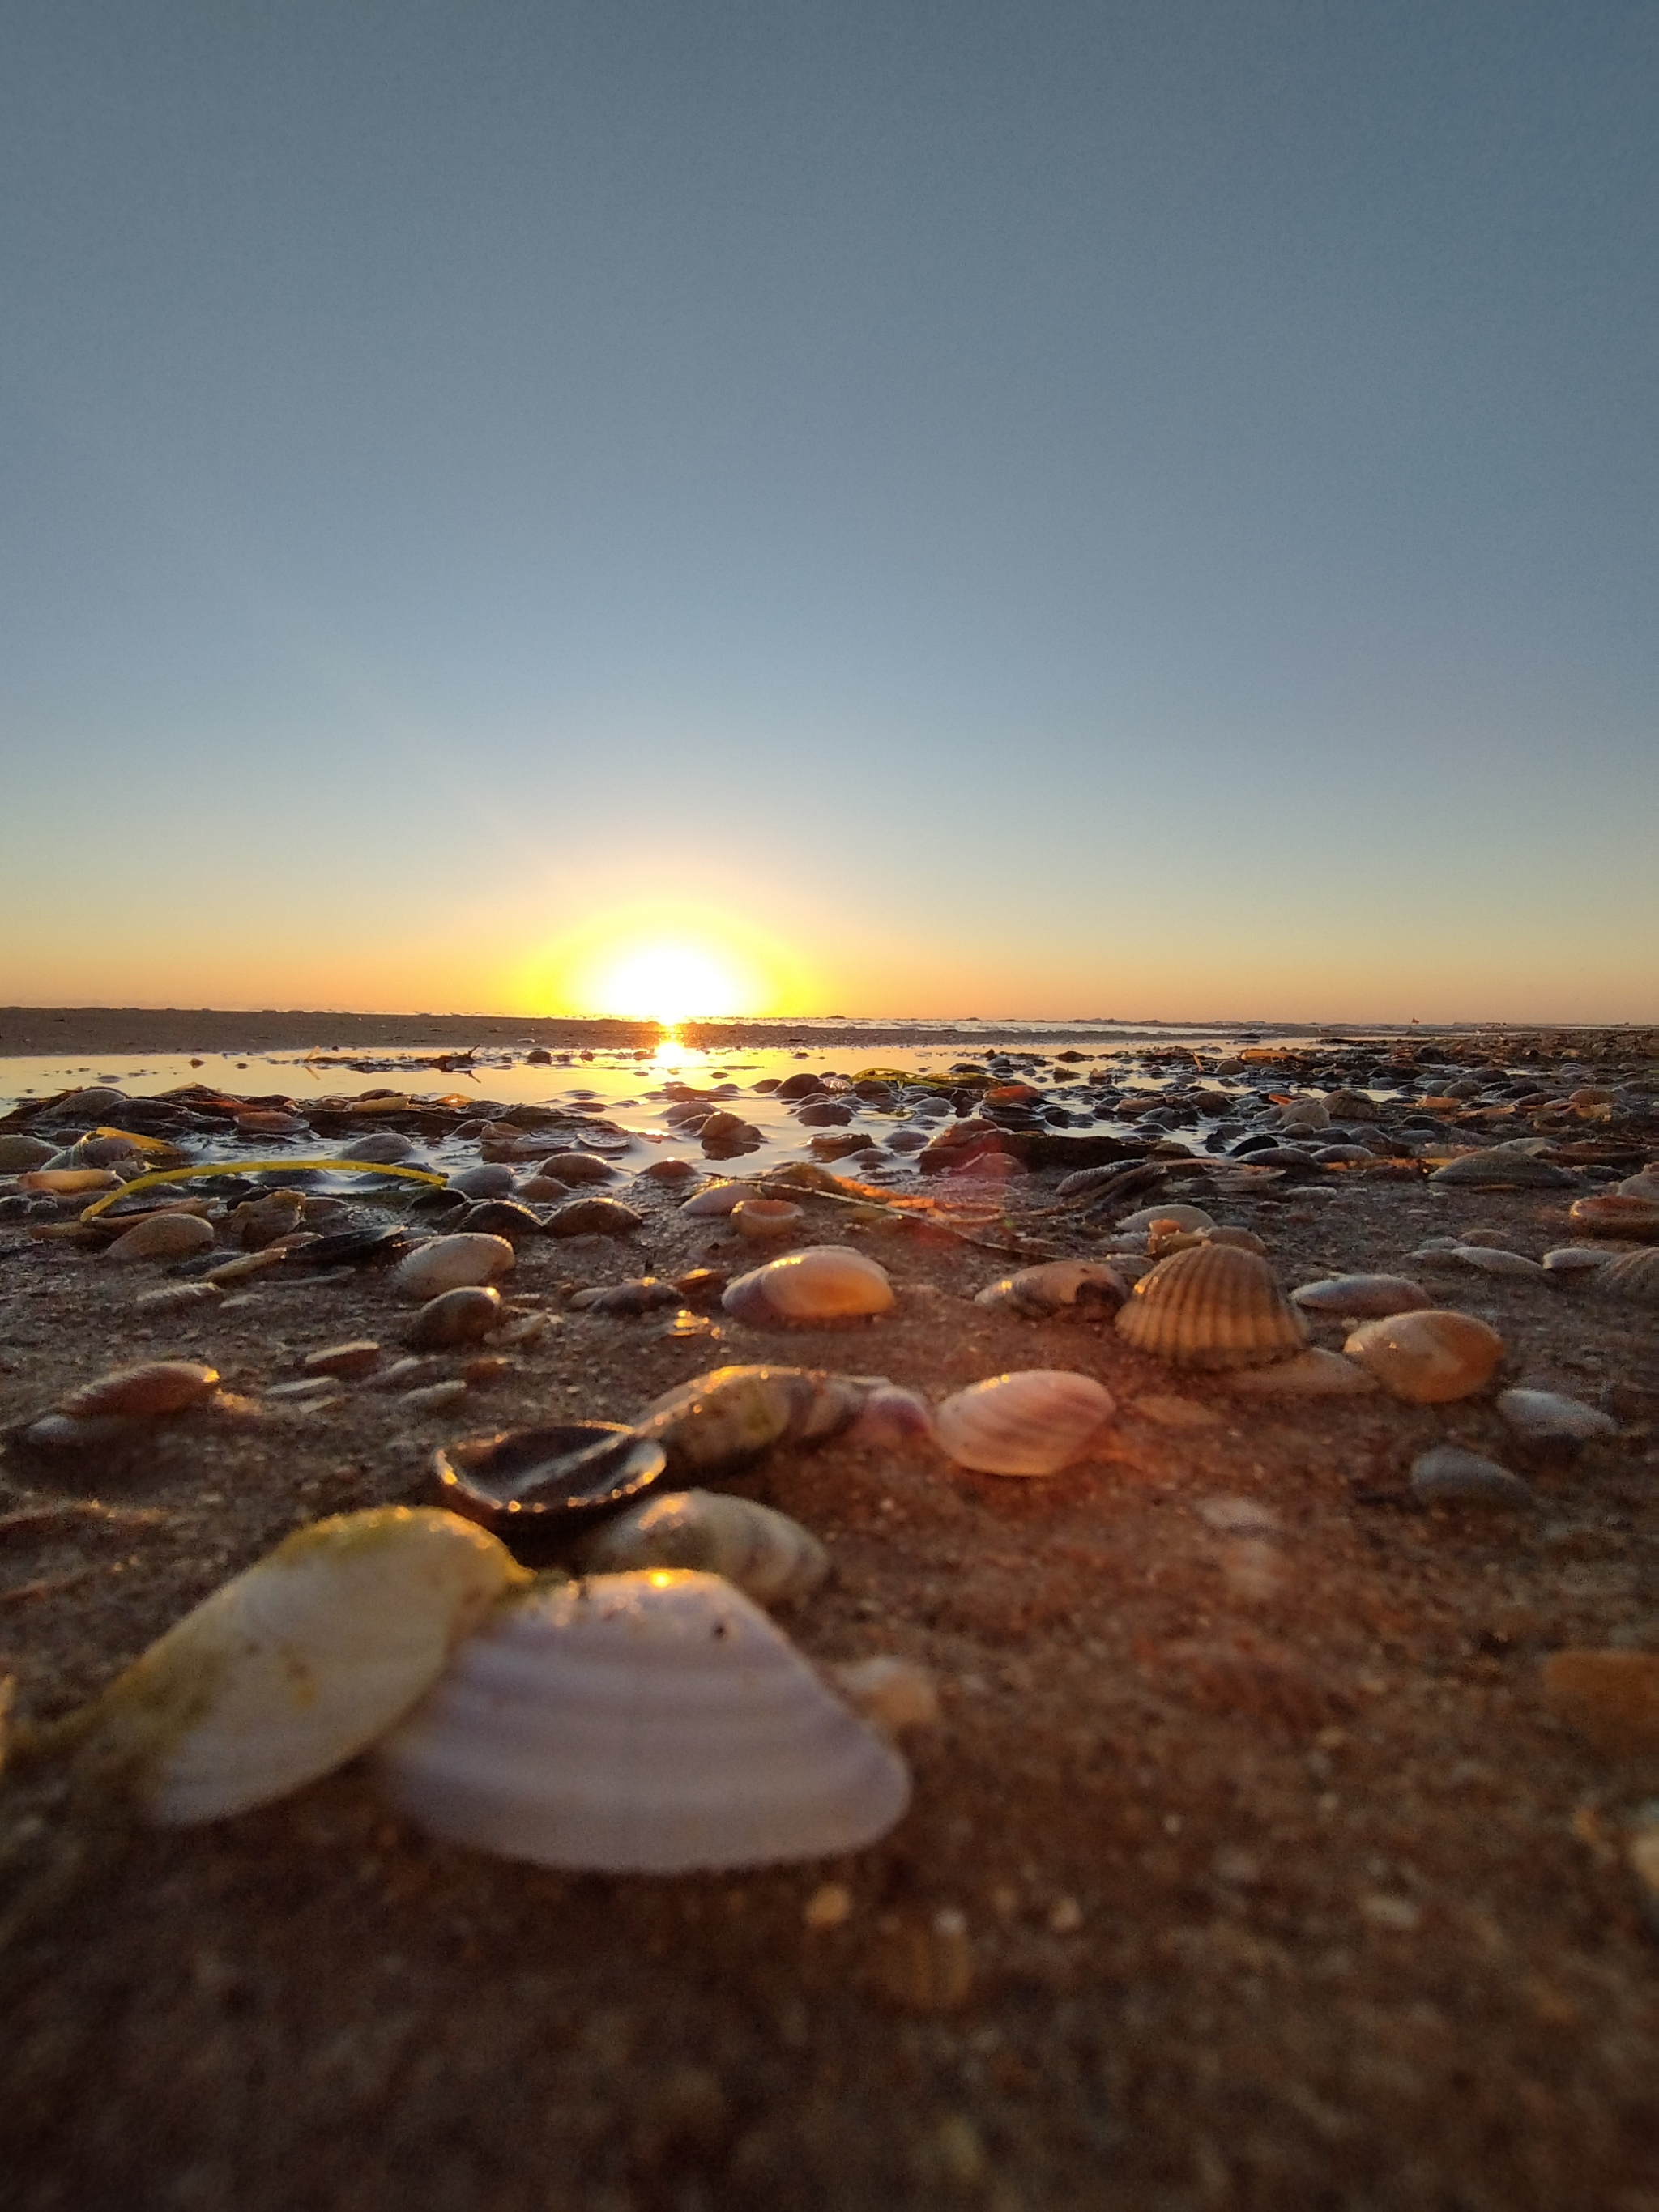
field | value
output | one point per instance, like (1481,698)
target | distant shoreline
(109,1031)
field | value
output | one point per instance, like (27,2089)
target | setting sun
(668,982)
(667,961)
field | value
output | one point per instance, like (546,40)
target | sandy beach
(1250,1863)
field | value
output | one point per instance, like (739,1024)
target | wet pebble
(19,1154)
(1547,1417)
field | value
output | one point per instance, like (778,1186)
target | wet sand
(1249,1865)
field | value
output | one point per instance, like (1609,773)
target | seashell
(1615,1213)
(668,1170)
(19,1154)
(1032,1423)
(1500,1168)
(68,1183)
(1449,1476)
(1610,1697)
(162,1236)
(353,1247)
(159,1386)
(716,1199)
(767,1555)
(1645,1185)
(592,1217)
(1184,1216)
(1364,1298)
(1212,1307)
(452,1263)
(1492,1260)
(641,1723)
(1428,1359)
(386,1146)
(493,1180)
(536,1488)
(763,1218)
(1576,1261)
(1548,1417)
(356,1358)
(1057,1286)
(262,1220)
(826,1282)
(1304,1374)
(1304,1114)
(733,1413)
(640,1294)
(578,1167)
(893,1416)
(458,1316)
(300,1663)
(1633,1276)
(893,1693)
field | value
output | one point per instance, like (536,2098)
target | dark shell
(352,1248)
(535,1487)
(592,1217)
(577,1167)
(500,1217)
(458,1316)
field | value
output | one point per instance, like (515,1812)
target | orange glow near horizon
(664,965)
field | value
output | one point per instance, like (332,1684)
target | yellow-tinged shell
(1428,1359)
(300,1663)
(1617,1213)
(159,1386)
(1211,1306)
(733,1413)
(826,1282)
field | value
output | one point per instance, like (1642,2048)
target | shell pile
(651,1723)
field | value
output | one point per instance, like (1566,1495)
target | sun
(668,982)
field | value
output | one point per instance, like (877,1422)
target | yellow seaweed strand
(256,1167)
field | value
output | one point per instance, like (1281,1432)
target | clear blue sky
(1121,510)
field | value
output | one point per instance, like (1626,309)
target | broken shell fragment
(763,1218)
(298,1664)
(536,1488)
(766,1554)
(450,1263)
(653,1723)
(1211,1306)
(893,1693)
(1428,1359)
(1057,1286)
(145,1393)
(1033,1423)
(826,1282)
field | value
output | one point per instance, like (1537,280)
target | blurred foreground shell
(770,1557)
(826,1282)
(734,1413)
(300,1663)
(1211,1306)
(158,1387)
(1428,1359)
(1032,1423)
(652,1724)
(1633,1276)
(1057,1286)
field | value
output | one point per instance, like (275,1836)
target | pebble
(670,1171)
(19,1154)
(1499,1169)
(1547,1417)
(450,1263)
(895,1693)
(1362,1297)
(162,1236)
(1450,1476)
(458,1316)
(569,1168)
(831,1905)
(356,1358)
(64,1432)
(1576,1259)
(493,1181)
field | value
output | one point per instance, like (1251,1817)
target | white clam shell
(651,1723)
(301,1663)
(1184,1216)
(452,1263)
(162,1236)
(1633,1275)
(769,1556)
(826,1282)
(1033,1423)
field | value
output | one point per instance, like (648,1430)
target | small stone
(64,1432)
(592,1217)
(1500,1168)
(1398,1914)
(494,1181)
(670,1171)
(895,1693)
(348,1360)
(569,1168)
(479,1374)
(1450,1476)
(18,1154)
(1576,1261)
(450,1263)
(163,1236)
(458,1316)
(1546,1417)
(1065,1916)
(922,1966)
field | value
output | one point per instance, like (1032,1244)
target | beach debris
(296,1665)
(1429,1358)
(1211,1306)
(766,1554)
(649,1722)
(1032,1423)
(824,1282)
(458,1316)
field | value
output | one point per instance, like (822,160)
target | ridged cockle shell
(1633,1275)
(826,1282)
(653,1723)
(300,1663)
(1033,1423)
(1429,1358)
(1211,1306)
(771,1558)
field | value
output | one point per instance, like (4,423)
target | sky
(870,507)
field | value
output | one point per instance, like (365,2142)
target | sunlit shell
(163,1236)
(733,1413)
(652,1724)
(765,1554)
(1616,1213)
(1032,1423)
(760,1219)
(300,1663)
(159,1386)
(1633,1276)
(1574,1261)
(68,1183)
(1185,1217)
(1428,1359)
(826,1282)
(1212,1307)
(1500,1168)
(451,1263)
(1362,1297)
(716,1199)
(1057,1286)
